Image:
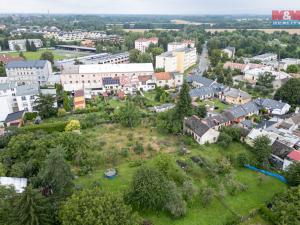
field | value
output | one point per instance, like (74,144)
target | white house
(274,107)
(172,80)
(200,131)
(266,57)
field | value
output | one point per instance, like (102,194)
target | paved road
(203,61)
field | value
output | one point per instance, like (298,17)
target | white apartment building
(181,59)
(15,98)
(167,61)
(289,61)
(28,72)
(106,77)
(179,45)
(143,43)
(22,44)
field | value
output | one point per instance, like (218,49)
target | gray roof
(265,124)
(247,123)
(280,149)
(269,103)
(196,125)
(237,111)
(28,89)
(14,116)
(6,86)
(203,91)
(250,107)
(201,80)
(216,120)
(233,92)
(26,64)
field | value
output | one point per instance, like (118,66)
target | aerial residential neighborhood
(149,112)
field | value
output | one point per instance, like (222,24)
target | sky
(195,7)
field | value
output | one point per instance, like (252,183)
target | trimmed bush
(73,125)
(47,127)
(30,115)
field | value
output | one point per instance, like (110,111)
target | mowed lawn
(220,106)
(37,55)
(114,136)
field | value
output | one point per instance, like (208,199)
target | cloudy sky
(147,6)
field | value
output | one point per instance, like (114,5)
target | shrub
(207,196)
(189,190)
(47,127)
(224,140)
(61,112)
(224,166)
(124,152)
(73,125)
(242,159)
(175,204)
(136,163)
(138,148)
(30,115)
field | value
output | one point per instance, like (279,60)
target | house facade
(28,72)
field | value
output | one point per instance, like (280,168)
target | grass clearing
(114,136)
(219,106)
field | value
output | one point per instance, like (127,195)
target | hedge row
(47,127)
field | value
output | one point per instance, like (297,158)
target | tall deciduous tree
(47,56)
(293,174)
(184,104)
(148,189)
(45,106)
(32,208)
(56,176)
(93,206)
(289,92)
(129,115)
(262,150)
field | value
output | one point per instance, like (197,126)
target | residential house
(171,80)
(280,151)
(15,119)
(200,81)
(200,131)
(265,57)
(146,83)
(235,96)
(241,66)
(79,99)
(230,51)
(292,157)
(202,93)
(274,107)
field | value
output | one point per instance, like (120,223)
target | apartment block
(143,43)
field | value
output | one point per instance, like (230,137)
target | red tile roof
(233,65)
(295,155)
(163,76)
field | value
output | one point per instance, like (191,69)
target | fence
(268,173)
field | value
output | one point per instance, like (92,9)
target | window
(32,97)
(23,98)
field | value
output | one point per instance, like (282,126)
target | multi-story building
(15,98)
(102,58)
(181,59)
(143,43)
(28,72)
(21,43)
(179,45)
(98,78)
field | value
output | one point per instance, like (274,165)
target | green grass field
(114,136)
(214,102)
(58,54)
